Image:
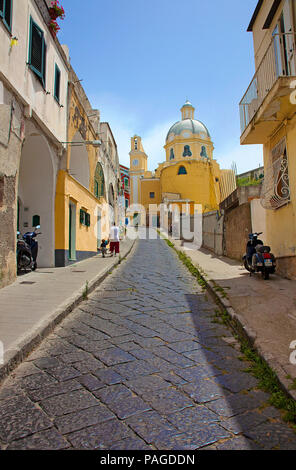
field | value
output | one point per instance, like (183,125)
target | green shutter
(82,216)
(1,8)
(44,63)
(37,51)
(57,83)
(96,188)
(87,220)
(7,13)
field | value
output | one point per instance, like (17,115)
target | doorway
(72,231)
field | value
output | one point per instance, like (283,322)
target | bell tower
(138,167)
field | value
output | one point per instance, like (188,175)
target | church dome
(188,123)
(196,127)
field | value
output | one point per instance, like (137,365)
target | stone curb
(239,325)
(26,344)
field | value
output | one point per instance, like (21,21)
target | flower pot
(53,13)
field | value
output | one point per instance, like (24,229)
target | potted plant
(56,10)
(54,27)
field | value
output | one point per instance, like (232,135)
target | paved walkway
(266,308)
(36,301)
(140,365)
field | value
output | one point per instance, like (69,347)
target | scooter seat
(263,249)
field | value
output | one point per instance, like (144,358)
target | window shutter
(96,188)
(37,49)
(82,213)
(87,220)
(7,13)
(44,63)
(1,7)
(57,83)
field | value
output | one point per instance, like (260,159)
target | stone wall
(11,133)
(237,226)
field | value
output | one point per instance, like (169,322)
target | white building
(33,123)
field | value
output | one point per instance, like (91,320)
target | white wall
(36,192)
(15,71)
(258,217)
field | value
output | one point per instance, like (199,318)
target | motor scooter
(27,250)
(258,257)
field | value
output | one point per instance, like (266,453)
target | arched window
(172,155)
(187,151)
(99,186)
(203,152)
(182,171)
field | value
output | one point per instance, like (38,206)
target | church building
(189,175)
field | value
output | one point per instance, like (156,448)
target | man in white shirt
(114,240)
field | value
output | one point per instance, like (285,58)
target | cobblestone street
(140,365)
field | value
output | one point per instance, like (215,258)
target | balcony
(267,102)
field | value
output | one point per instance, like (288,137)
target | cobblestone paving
(140,365)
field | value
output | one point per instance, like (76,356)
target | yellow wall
(198,185)
(195,144)
(281,223)
(147,187)
(68,189)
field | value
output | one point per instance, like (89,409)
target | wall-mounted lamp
(95,143)
(14,41)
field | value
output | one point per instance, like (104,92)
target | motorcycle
(27,250)
(258,257)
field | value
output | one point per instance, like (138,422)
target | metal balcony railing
(278,61)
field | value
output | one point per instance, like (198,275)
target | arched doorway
(36,195)
(79,163)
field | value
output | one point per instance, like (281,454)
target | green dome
(192,125)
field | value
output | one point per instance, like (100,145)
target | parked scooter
(258,257)
(27,250)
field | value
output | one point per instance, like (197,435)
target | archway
(36,195)
(79,163)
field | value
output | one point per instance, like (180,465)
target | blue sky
(141,60)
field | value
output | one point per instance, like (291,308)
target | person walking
(104,245)
(114,240)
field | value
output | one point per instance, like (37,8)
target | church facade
(189,176)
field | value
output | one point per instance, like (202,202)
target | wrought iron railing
(278,61)
(276,189)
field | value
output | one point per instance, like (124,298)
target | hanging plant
(54,27)
(56,10)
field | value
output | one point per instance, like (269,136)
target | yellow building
(81,210)
(189,175)
(268,117)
